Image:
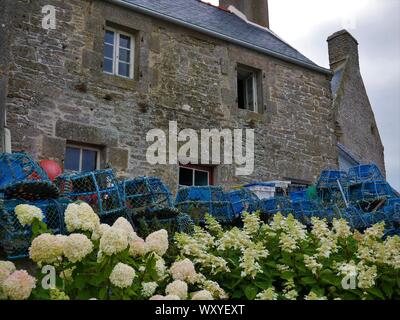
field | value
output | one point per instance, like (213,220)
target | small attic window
(248,87)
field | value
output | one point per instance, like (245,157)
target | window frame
(116,46)
(81,148)
(194,169)
(254,74)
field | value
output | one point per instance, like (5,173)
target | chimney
(342,45)
(255,10)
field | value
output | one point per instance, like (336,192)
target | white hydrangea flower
(99,231)
(202,295)
(19,285)
(287,243)
(214,288)
(77,246)
(184,270)
(268,294)
(113,241)
(148,288)
(46,248)
(312,264)
(376,231)
(366,276)
(341,228)
(124,224)
(249,260)
(313,296)
(157,242)
(347,269)
(81,217)
(251,223)
(122,275)
(320,228)
(160,267)
(178,288)
(6,268)
(137,247)
(234,239)
(27,213)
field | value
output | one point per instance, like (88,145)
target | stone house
(87,92)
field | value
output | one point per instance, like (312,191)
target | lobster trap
(305,210)
(243,200)
(145,194)
(97,188)
(22,178)
(364,173)
(270,207)
(15,239)
(298,196)
(369,191)
(198,201)
(332,187)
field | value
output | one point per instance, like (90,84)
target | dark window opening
(195,175)
(248,87)
(81,158)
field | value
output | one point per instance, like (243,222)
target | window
(247,86)
(118,53)
(195,175)
(81,158)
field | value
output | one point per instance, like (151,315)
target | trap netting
(145,194)
(15,239)
(363,173)
(97,188)
(243,200)
(22,178)
(332,186)
(274,205)
(305,210)
(370,191)
(197,201)
(298,196)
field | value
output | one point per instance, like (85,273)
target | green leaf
(308,280)
(376,292)
(251,292)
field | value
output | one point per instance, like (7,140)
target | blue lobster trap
(330,186)
(197,201)
(97,188)
(370,191)
(272,206)
(15,239)
(243,200)
(22,178)
(181,223)
(298,196)
(305,210)
(364,173)
(146,194)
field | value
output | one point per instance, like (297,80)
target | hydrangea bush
(279,260)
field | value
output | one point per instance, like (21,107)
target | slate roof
(207,18)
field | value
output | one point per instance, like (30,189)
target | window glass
(89,160)
(72,158)
(185,177)
(109,37)
(124,41)
(108,65)
(108,51)
(123,69)
(200,178)
(124,55)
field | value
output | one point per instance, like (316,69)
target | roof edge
(220,36)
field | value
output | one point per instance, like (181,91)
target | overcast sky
(306,24)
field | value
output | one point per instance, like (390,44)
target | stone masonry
(58,93)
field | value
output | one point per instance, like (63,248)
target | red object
(51,167)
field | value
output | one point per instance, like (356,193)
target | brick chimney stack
(342,45)
(255,10)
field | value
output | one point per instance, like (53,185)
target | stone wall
(356,125)
(58,93)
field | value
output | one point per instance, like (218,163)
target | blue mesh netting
(274,205)
(363,173)
(297,196)
(328,189)
(197,201)
(243,200)
(98,188)
(15,239)
(370,191)
(22,178)
(146,194)
(305,210)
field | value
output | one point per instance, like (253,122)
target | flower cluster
(122,275)
(18,285)
(81,217)
(27,213)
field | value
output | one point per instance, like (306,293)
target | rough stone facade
(355,127)
(58,93)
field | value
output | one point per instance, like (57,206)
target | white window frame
(193,175)
(253,75)
(81,148)
(115,64)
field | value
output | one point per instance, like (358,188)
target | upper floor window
(248,87)
(79,158)
(118,53)
(195,175)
